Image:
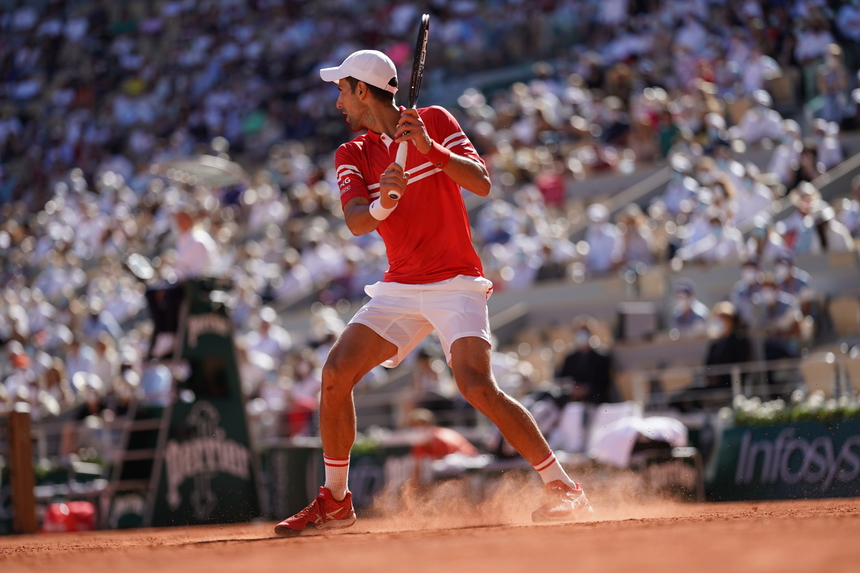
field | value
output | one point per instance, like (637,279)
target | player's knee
(481,394)
(337,375)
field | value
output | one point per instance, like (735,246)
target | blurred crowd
(94,93)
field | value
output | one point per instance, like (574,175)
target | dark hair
(378,94)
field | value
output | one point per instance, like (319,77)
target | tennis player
(434,282)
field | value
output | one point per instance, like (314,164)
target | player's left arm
(456,156)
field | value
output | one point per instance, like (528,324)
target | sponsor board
(796,461)
(206,470)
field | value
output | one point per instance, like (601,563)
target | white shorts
(404,314)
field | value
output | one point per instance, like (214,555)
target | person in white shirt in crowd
(764,243)
(106,364)
(797,223)
(98,320)
(638,239)
(690,315)
(723,244)
(726,167)
(296,281)
(813,41)
(825,235)
(698,224)
(757,69)
(753,195)
(828,147)
(759,121)
(682,187)
(849,214)
(784,161)
(605,243)
(269,338)
(41,313)
(745,290)
(79,358)
(196,250)
(832,84)
(725,197)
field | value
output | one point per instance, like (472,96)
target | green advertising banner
(787,461)
(206,469)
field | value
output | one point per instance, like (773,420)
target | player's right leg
(357,350)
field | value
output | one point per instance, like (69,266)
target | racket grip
(400,159)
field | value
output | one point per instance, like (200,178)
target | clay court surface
(495,536)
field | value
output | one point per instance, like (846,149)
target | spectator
(270,338)
(681,188)
(20,376)
(432,442)
(778,319)
(832,83)
(56,383)
(723,243)
(433,388)
(689,316)
(759,121)
(587,370)
(813,41)
(637,236)
(848,26)
(825,235)
(784,161)
(765,244)
(753,195)
(605,244)
(79,358)
(827,144)
(849,214)
(98,321)
(106,364)
(794,281)
(744,293)
(800,221)
(729,343)
(757,69)
(196,251)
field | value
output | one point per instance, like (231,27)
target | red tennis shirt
(427,238)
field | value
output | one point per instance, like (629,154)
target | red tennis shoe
(565,504)
(324,513)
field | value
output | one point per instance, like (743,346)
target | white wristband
(378,212)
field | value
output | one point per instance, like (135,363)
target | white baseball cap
(369,66)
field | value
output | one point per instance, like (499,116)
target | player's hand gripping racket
(414,87)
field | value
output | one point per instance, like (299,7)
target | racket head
(418,62)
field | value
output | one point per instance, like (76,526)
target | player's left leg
(471,365)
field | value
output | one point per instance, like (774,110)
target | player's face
(350,104)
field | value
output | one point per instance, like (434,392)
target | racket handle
(400,159)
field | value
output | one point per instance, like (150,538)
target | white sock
(550,470)
(336,474)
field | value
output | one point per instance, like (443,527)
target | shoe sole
(311,529)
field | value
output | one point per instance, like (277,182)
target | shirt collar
(380,138)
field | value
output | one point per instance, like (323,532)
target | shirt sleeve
(350,181)
(444,129)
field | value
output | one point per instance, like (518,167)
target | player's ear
(360,89)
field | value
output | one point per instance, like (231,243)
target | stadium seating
(819,373)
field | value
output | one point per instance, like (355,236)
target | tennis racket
(414,87)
